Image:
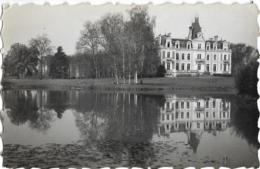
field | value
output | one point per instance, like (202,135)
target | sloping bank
(218,85)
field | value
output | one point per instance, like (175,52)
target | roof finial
(196,17)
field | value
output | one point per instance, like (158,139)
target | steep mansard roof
(194,30)
(183,42)
(219,43)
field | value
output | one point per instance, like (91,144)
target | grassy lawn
(188,84)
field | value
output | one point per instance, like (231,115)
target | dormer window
(208,46)
(225,46)
(215,46)
(168,44)
(177,45)
(189,45)
(199,46)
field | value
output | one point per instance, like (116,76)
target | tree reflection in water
(58,101)
(244,119)
(37,107)
(24,106)
(121,126)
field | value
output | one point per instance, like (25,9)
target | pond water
(46,128)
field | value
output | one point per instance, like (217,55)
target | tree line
(113,46)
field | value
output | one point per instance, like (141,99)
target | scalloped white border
(129,2)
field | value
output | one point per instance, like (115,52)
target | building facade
(194,55)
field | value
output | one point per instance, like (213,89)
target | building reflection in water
(193,116)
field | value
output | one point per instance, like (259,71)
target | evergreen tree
(59,67)
(161,71)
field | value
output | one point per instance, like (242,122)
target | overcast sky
(235,23)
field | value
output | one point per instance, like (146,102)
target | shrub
(161,71)
(246,78)
(183,75)
(222,75)
(206,73)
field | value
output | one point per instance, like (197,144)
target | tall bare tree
(128,46)
(90,42)
(112,28)
(140,28)
(43,44)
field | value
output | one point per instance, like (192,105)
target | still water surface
(45,128)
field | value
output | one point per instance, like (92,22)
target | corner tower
(194,29)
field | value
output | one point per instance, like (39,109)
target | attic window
(215,46)
(177,45)
(199,46)
(208,46)
(168,44)
(188,46)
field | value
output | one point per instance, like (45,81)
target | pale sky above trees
(62,23)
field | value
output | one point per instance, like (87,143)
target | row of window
(226,67)
(198,115)
(190,46)
(188,56)
(182,104)
(177,55)
(215,57)
(184,66)
(176,116)
(207,124)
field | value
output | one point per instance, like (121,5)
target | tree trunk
(116,74)
(123,66)
(136,79)
(135,100)
(41,68)
(96,71)
(129,78)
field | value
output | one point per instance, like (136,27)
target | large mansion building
(194,55)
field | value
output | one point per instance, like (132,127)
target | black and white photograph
(116,85)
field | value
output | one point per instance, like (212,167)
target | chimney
(190,33)
(216,37)
(196,19)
